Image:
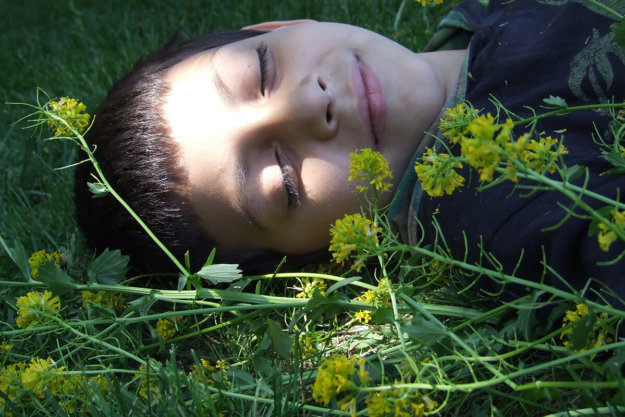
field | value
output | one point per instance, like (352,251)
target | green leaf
(342,283)
(211,258)
(143,304)
(280,341)
(383,316)
(555,102)
(182,282)
(574,172)
(593,227)
(220,273)
(262,365)
(526,316)
(581,329)
(109,267)
(57,280)
(423,331)
(18,256)
(97,189)
(615,363)
(619,32)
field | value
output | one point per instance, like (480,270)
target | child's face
(268,155)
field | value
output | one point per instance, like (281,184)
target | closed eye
(293,197)
(263,60)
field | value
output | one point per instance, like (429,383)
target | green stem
(85,147)
(606,8)
(498,275)
(567,109)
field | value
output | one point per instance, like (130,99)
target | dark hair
(139,158)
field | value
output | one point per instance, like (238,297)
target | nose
(306,108)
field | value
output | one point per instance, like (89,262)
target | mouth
(370,99)
(289,178)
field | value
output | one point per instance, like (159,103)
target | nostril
(321,83)
(329,114)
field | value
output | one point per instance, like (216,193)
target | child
(241,140)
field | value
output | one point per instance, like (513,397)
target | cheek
(325,180)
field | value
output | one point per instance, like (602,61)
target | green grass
(430,342)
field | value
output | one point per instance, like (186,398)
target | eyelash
(263,60)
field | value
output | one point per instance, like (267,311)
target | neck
(447,65)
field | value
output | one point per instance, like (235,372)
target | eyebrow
(242,168)
(224,91)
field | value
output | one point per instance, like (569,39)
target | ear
(276,24)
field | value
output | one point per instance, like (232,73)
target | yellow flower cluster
(437,173)
(42,257)
(105,299)
(486,146)
(429,2)
(41,375)
(377,297)
(336,376)
(371,168)
(35,308)
(309,285)
(72,112)
(147,383)
(598,336)
(10,383)
(455,121)
(540,155)
(333,377)
(351,236)
(398,403)
(5,346)
(78,383)
(167,328)
(606,235)
(203,371)
(306,346)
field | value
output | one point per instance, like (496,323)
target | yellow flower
(540,156)
(307,346)
(377,297)
(363,374)
(11,381)
(105,299)
(166,328)
(202,372)
(456,120)
(598,336)
(351,236)
(221,365)
(309,285)
(42,257)
(364,316)
(147,387)
(348,403)
(34,308)
(429,2)
(397,403)
(437,173)
(371,168)
(333,377)
(607,235)
(41,375)
(72,112)
(5,346)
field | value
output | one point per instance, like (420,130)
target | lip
(370,99)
